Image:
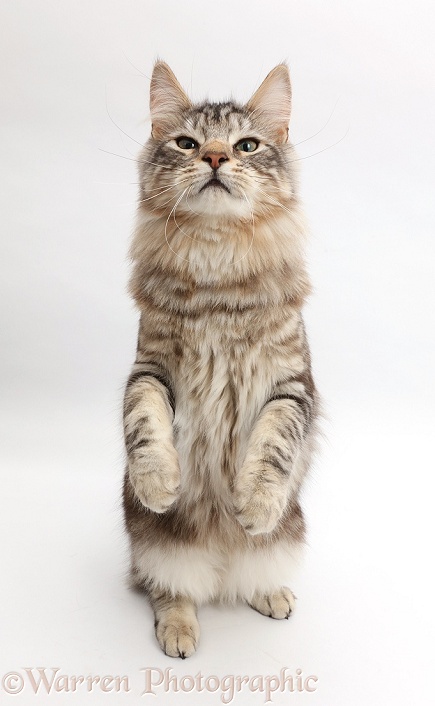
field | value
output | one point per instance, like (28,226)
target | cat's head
(218,159)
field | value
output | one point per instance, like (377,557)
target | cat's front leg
(154,470)
(261,493)
(271,476)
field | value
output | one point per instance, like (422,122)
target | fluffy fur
(220,407)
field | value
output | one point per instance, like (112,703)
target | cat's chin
(217,202)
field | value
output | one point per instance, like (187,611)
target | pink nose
(215,159)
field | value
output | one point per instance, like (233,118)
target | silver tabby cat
(220,406)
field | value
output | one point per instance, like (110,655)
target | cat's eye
(247,145)
(186,143)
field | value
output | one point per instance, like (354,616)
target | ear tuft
(167,99)
(271,102)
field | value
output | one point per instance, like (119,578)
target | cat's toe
(279,604)
(156,491)
(178,638)
(258,514)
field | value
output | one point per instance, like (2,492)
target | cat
(220,407)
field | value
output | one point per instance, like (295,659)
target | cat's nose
(215,159)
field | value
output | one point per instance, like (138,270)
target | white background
(365,620)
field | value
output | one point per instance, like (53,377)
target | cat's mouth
(214,183)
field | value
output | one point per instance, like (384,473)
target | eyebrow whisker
(296,144)
(298,159)
(120,128)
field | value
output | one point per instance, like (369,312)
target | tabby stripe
(294,430)
(162,379)
(140,444)
(301,401)
(135,438)
(276,463)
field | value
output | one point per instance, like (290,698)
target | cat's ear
(167,99)
(272,101)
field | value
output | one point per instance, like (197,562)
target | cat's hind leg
(278,604)
(176,624)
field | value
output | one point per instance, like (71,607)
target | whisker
(171,198)
(130,159)
(135,67)
(173,212)
(127,149)
(138,161)
(296,144)
(298,159)
(176,223)
(166,226)
(252,111)
(162,191)
(160,205)
(272,199)
(147,161)
(191,75)
(188,204)
(117,126)
(253,229)
(148,198)
(157,188)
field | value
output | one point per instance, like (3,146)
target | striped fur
(220,407)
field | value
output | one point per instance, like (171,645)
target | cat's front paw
(259,502)
(155,478)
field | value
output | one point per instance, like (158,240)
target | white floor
(363,626)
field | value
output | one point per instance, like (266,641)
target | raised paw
(156,480)
(258,504)
(279,604)
(178,635)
